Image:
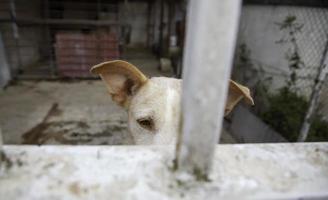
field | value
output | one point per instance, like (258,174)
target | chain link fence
(33,31)
(279,53)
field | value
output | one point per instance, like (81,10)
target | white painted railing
(211,33)
(261,171)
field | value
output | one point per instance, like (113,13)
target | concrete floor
(69,112)
(59,112)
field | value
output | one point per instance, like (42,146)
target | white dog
(153,104)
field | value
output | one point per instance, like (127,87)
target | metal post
(322,73)
(1,150)
(1,140)
(15,34)
(161,29)
(211,35)
(49,40)
(170,18)
(149,12)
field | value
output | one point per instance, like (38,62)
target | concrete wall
(29,44)
(247,128)
(258,30)
(30,38)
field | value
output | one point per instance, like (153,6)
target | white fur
(159,99)
(154,105)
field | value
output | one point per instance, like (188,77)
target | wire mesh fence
(279,54)
(31,30)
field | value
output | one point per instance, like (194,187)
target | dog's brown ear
(121,78)
(236,93)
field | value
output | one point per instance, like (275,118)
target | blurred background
(47,47)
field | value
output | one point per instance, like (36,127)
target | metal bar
(37,21)
(149,11)
(314,100)
(49,40)
(211,34)
(169,22)
(161,29)
(13,20)
(2,155)
(98,9)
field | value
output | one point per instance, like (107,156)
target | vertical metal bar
(15,34)
(1,141)
(161,29)
(49,40)
(1,149)
(169,21)
(211,34)
(181,42)
(149,11)
(98,9)
(322,73)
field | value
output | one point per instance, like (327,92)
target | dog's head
(153,104)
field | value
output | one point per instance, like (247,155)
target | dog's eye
(146,123)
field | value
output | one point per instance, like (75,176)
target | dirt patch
(31,136)
(77,132)
(75,189)
(4,160)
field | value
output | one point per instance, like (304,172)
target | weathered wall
(28,44)
(247,128)
(30,37)
(260,32)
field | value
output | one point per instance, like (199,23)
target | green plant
(284,110)
(286,113)
(318,130)
(287,108)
